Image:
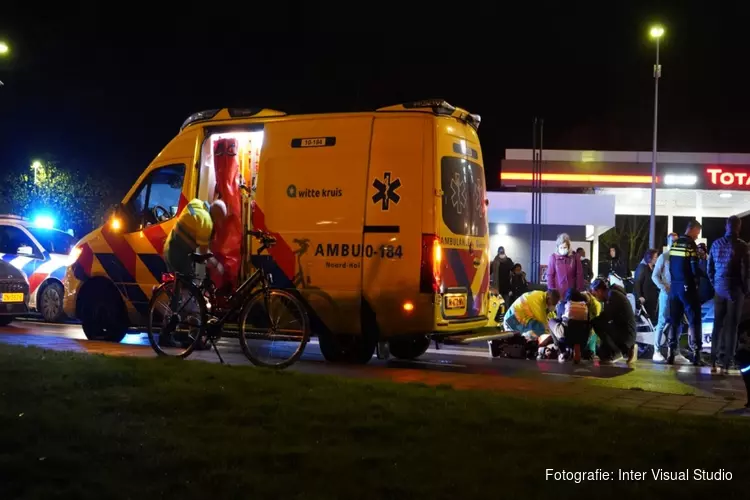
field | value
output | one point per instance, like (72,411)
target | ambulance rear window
(463,196)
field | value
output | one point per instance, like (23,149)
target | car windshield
(52,240)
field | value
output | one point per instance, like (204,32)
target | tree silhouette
(78,201)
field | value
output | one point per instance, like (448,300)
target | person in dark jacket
(684,268)
(518,283)
(500,270)
(646,291)
(615,326)
(705,288)
(588,271)
(617,263)
(729,272)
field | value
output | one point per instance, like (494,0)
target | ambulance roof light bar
(229,113)
(199,116)
(439,107)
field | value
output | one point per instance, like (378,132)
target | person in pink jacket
(564,270)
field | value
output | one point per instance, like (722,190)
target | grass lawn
(77,427)
(648,380)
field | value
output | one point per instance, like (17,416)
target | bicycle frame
(259,276)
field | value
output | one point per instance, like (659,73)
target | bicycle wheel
(274,329)
(177,332)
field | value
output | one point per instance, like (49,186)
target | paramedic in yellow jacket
(193,232)
(531,313)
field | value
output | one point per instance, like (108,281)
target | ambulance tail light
(432,258)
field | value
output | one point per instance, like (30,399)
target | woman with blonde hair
(564,270)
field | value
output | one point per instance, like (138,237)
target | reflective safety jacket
(531,305)
(684,266)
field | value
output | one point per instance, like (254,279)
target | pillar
(595,253)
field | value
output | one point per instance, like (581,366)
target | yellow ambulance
(381,220)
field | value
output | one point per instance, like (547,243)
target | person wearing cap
(500,271)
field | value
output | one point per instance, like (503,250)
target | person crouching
(530,313)
(570,330)
(615,327)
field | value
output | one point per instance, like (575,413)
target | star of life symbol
(386,191)
(458,198)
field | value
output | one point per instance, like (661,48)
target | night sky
(106,98)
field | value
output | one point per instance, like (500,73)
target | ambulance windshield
(463,196)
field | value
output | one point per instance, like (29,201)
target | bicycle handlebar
(267,241)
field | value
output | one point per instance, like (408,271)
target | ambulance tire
(6,320)
(103,314)
(352,349)
(409,347)
(50,302)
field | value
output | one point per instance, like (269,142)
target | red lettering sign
(717,176)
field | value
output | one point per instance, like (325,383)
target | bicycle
(254,299)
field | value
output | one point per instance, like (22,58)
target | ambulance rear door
(393,224)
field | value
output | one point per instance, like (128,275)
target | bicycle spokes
(176,321)
(274,329)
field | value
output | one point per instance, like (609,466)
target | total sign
(721,177)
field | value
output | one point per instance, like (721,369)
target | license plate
(455,302)
(12,297)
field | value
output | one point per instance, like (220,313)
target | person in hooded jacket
(729,272)
(564,269)
(500,271)
(615,326)
(617,263)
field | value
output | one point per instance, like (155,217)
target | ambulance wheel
(409,347)
(341,348)
(103,313)
(6,320)
(50,303)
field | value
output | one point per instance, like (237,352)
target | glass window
(157,198)
(464,192)
(15,242)
(53,241)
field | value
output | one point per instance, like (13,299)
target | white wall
(558,209)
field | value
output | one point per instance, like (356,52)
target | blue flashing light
(44,221)
(746,369)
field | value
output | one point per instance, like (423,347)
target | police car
(14,293)
(42,254)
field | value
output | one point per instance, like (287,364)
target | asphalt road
(445,362)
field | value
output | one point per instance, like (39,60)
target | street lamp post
(36,166)
(656,33)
